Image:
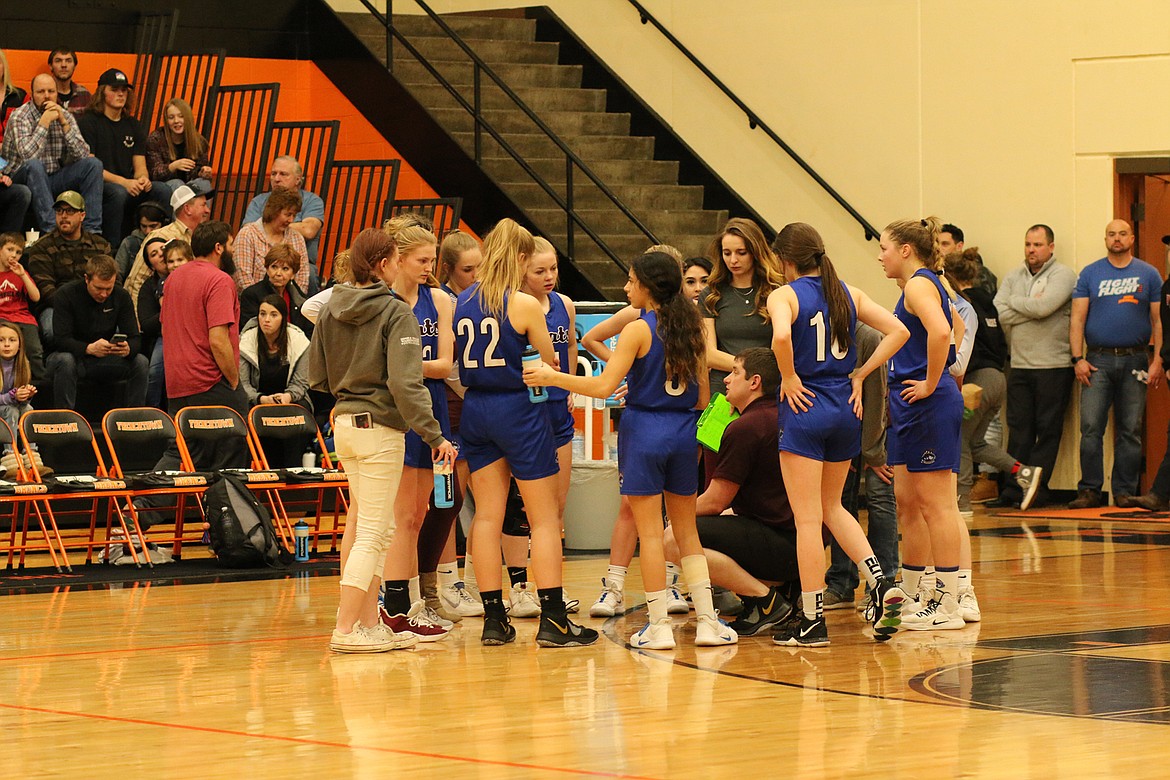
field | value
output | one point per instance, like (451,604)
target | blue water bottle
(444,485)
(301,535)
(537,394)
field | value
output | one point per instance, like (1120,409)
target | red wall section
(305,95)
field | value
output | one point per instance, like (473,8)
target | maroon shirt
(749,457)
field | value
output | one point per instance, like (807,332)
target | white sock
(656,605)
(813,604)
(615,576)
(673,574)
(447,574)
(699,581)
(911,580)
(930,579)
(965,582)
(415,590)
(948,582)
(871,569)
(469,572)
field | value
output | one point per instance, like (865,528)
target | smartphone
(363,420)
(3,163)
(118,338)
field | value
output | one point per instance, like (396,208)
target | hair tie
(922,222)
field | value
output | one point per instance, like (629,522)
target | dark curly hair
(679,325)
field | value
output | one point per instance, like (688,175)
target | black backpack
(242,534)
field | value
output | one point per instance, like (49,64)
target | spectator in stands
(286,173)
(70,94)
(274,369)
(62,256)
(1114,315)
(18,292)
(117,139)
(950,239)
(201,348)
(97,336)
(148,217)
(280,265)
(190,205)
(1034,305)
(752,550)
(150,317)
(176,153)
(46,151)
(274,227)
(14,198)
(16,388)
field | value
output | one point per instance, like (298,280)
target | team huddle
(493,371)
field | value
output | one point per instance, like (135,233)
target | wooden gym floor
(1067,676)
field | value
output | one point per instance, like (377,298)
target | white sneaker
(458,600)
(572,605)
(609,603)
(675,603)
(400,640)
(713,632)
(942,614)
(523,602)
(434,616)
(360,640)
(969,606)
(654,636)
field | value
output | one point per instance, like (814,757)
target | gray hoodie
(1034,312)
(366,351)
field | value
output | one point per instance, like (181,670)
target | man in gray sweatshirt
(1034,303)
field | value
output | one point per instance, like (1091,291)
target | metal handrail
(754,121)
(481,123)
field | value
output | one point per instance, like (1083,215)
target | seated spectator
(149,317)
(17,292)
(191,208)
(14,198)
(287,173)
(176,153)
(274,369)
(751,550)
(148,217)
(61,256)
(117,139)
(281,265)
(274,227)
(46,152)
(16,388)
(70,95)
(98,337)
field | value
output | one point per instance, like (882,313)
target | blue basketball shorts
(657,452)
(507,425)
(418,452)
(827,431)
(926,435)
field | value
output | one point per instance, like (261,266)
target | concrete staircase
(625,163)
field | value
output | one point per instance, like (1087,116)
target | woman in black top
(280,266)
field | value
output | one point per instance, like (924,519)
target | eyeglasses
(66,210)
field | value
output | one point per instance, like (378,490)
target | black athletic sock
(552,603)
(397,598)
(493,604)
(517,575)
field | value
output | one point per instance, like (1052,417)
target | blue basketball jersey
(428,322)
(649,387)
(817,357)
(488,349)
(909,362)
(557,319)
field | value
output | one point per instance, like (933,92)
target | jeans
(1037,399)
(842,577)
(1113,385)
(14,202)
(118,207)
(83,176)
(66,371)
(974,432)
(372,458)
(156,378)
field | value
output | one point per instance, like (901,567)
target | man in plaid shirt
(45,150)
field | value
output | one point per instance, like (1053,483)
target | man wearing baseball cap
(116,138)
(190,204)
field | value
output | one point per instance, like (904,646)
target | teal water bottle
(301,535)
(537,394)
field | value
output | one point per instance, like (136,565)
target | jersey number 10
(818,323)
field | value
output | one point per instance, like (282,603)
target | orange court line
(163,648)
(318,742)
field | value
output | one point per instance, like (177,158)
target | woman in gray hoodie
(366,351)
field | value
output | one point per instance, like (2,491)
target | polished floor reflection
(1068,675)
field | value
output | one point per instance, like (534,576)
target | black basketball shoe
(562,632)
(497,632)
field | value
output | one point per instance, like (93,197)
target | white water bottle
(444,485)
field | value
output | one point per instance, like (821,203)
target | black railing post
(389,36)
(478,104)
(570,213)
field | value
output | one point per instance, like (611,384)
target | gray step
(515,75)
(552,169)
(490,51)
(628,247)
(587,147)
(637,196)
(564,123)
(538,99)
(611,221)
(469,27)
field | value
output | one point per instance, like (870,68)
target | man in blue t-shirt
(1114,314)
(286,172)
